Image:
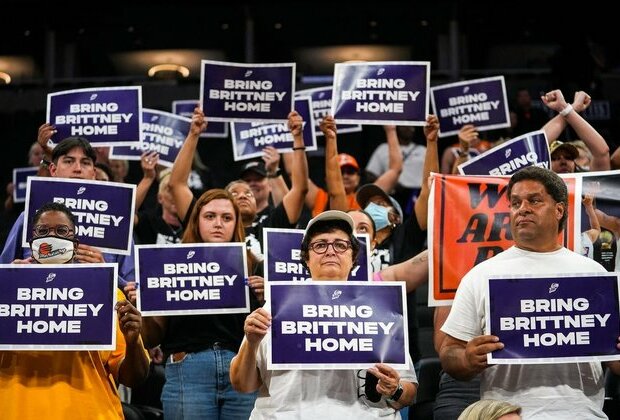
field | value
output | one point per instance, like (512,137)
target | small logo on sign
(190,254)
(336,294)
(248,73)
(553,287)
(81,190)
(93,96)
(50,277)
(507,153)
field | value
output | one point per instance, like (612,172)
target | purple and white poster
(58,306)
(107,116)
(185,108)
(20,182)
(321,99)
(381,92)
(283,256)
(246,92)
(554,319)
(481,102)
(336,324)
(104,210)
(192,279)
(530,149)
(162,132)
(249,139)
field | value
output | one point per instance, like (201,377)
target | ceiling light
(160,68)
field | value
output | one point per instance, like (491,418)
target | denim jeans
(454,396)
(198,387)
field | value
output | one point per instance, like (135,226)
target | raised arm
(595,226)
(148,162)
(592,138)
(333,176)
(293,200)
(388,180)
(46,131)
(467,134)
(277,185)
(182,168)
(431,164)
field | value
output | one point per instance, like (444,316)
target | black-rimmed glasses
(339,246)
(61,230)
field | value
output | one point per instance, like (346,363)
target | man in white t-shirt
(538,211)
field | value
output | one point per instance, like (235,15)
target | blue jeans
(454,396)
(198,387)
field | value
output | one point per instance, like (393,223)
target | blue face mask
(379,215)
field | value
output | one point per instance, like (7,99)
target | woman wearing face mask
(199,348)
(80,384)
(398,240)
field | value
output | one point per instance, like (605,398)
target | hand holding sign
(256,325)
(476,351)
(130,321)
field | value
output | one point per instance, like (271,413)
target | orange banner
(471,223)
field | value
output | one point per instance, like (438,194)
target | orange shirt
(322,202)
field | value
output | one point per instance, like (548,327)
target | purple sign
(246,92)
(554,319)
(249,139)
(104,210)
(185,108)
(162,132)
(57,306)
(388,92)
(105,116)
(530,149)
(337,324)
(20,182)
(283,256)
(322,106)
(192,279)
(481,102)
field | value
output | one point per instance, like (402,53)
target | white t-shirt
(317,394)
(413,162)
(544,391)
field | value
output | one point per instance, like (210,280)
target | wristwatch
(397,394)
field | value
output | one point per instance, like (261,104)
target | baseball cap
(257,166)
(347,160)
(331,215)
(367,191)
(569,148)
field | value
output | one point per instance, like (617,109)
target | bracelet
(567,110)
(299,148)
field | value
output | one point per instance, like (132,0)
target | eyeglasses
(61,230)
(339,246)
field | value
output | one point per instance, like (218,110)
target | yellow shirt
(61,384)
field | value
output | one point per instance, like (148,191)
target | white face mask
(52,250)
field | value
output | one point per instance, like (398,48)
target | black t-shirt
(152,229)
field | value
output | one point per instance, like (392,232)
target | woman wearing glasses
(328,250)
(78,384)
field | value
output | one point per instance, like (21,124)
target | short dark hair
(53,206)
(105,168)
(326,227)
(70,143)
(554,185)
